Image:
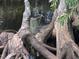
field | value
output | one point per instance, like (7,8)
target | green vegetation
(71,3)
(63,18)
(54,4)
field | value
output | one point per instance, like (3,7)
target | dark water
(11,13)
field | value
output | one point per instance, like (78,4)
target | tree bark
(64,37)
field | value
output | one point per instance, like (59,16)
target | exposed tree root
(14,47)
(4,53)
(64,36)
(49,47)
(10,56)
(13,43)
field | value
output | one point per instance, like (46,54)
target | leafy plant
(54,4)
(63,18)
(71,3)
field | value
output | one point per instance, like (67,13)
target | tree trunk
(15,44)
(64,37)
